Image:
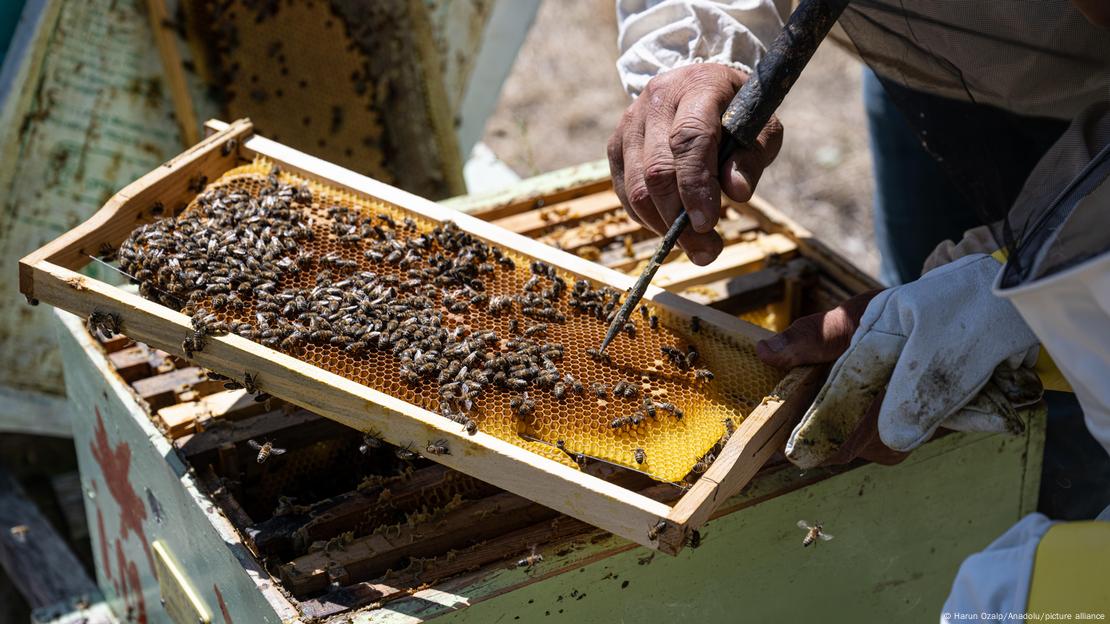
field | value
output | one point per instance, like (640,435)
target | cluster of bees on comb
(240,262)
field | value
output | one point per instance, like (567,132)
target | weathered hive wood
(48,274)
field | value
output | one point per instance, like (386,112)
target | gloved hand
(946,350)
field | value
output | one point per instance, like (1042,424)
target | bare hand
(820,339)
(663,154)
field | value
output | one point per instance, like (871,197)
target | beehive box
(49,275)
(165,458)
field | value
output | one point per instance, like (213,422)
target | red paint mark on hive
(115,463)
(223,605)
(103,543)
(129,587)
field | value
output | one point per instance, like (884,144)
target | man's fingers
(701,248)
(659,164)
(637,199)
(815,339)
(695,136)
(741,173)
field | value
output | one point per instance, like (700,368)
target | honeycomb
(560,429)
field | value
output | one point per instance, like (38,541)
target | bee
(672,408)
(576,386)
(499,304)
(620,421)
(644,312)
(694,539)
(539,328)
(813,533)
(560,390)
(730,427)
(701,466)
(691,355)
(649,407)
(265,450)
(531,284)
(601,390)
(405,454)
(439,447)
(695,324)
(522,405)
(653,322)
(660,527)
(250,382)
(370,441)
(194,342)
(106,324)
(703,374)
(531,560)
(638,455)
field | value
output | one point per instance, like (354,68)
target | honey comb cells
(564,417)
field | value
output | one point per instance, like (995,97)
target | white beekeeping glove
(946,350)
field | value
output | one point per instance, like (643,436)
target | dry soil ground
(563,98)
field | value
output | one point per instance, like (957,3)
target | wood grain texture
(36,558)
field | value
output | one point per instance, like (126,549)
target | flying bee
(653,532)
(265,450)
(531,560)
(439,447)
(813,533)
(703,374)
(638,455)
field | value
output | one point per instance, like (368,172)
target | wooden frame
(49,274)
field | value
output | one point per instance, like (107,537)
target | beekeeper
(961,106)
(958,348)
(972,366)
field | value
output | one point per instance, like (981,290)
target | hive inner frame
(669,447)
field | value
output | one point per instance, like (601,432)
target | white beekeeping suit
(657,35)
(1033,58)
(1063,294)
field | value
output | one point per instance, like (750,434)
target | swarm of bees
(244,256)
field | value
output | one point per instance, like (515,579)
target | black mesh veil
(988,86)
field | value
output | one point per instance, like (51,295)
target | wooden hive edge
(118,217)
